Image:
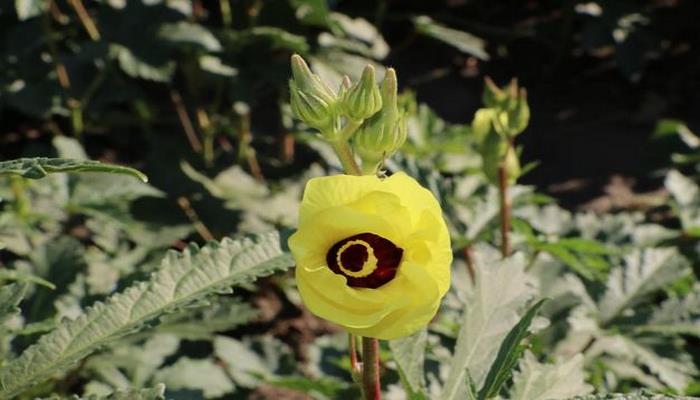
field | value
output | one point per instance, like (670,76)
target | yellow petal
(327,295)
(396,208)
(423,292)
(332,191)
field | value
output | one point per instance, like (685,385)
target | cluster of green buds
(496,126)
(381,135)
(361,113)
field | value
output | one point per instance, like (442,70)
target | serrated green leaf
(501,290)
(675,372)
(643,395)
(686,195)
(245,366)
(676,316)
(224,315)
(538,381)
(205,375)
(39,167)
(10,297)
(508,354)
(643,272)
(409,355)
(182,279)
(133,363)
(155,393)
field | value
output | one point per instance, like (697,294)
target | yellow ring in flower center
(369,265)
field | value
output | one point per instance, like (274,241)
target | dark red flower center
(366,260)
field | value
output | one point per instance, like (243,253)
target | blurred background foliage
(194,93)
(152,82)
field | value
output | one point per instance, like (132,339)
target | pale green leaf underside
(155,393)
(182,279)
(632,396)
(539,381)
(10,297)
(409,354)
(643,273)
(39,167)
(501,290)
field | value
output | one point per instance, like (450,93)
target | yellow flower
(373,255)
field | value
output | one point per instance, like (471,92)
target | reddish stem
(505,209)
(370,369)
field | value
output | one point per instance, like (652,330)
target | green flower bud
(493,97)
(516,119)
(345,85)
(510,105)
(312,101)
(385,132)
(363,99)
(482,123)
(496,151)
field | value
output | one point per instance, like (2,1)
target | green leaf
(135,67)
(10,297)
(508,354)
(155,393)
(326,386)
(135,363)
(676,316)
(644,272)
(36,168)
(19,276)
(189,33)
(538,381)
(643,395)
(29,8)
(58,261)
(675,372)
(265,36)
(245,366)
(183,279)
(221,316)
(205,375)
(409,355)
(313,12)
(250,363)
(686,195)
(491,310)
(462,41)
(568,258)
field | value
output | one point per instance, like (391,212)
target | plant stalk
(370,369)
(505,209)
(355,366)
(347,159)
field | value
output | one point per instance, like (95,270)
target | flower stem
(347,159)
(505,209)
(370,369)
(355,366)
